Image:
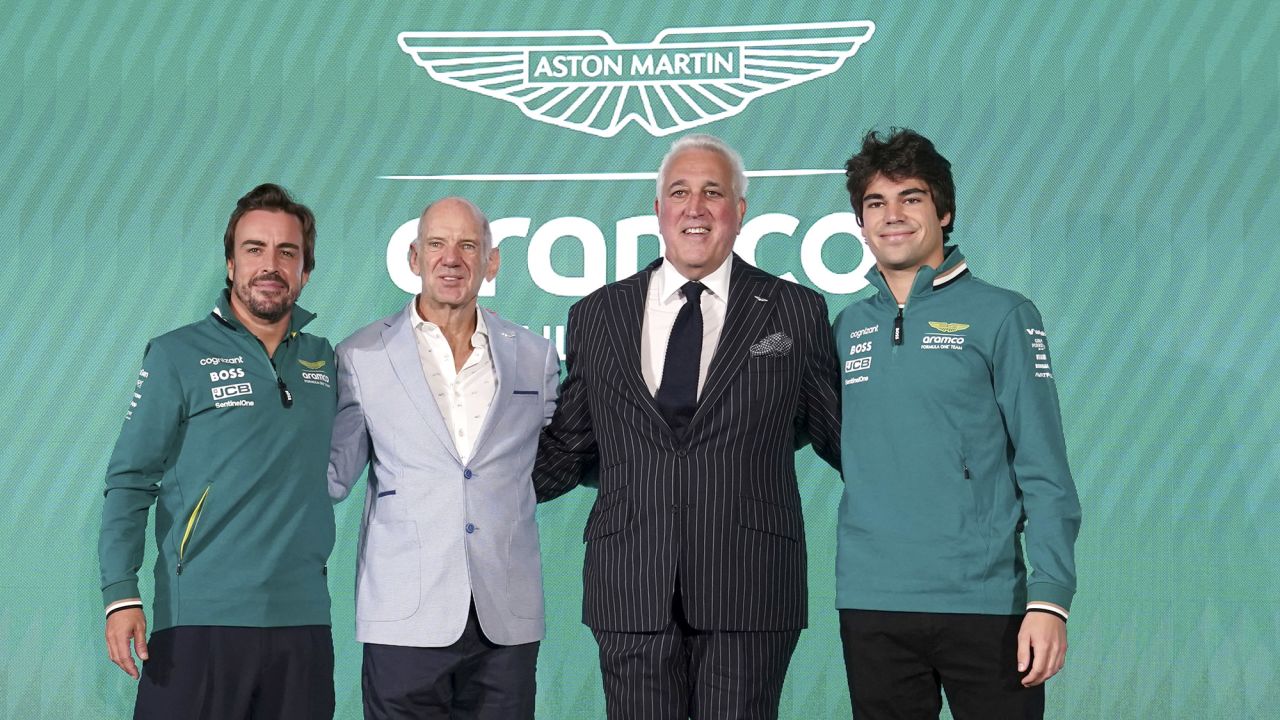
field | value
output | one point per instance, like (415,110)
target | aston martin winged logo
(947,327)
(583,80)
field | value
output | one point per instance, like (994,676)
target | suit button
(682,452)
(466,474)
(470,528)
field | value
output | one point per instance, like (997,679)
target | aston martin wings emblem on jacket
(583,80)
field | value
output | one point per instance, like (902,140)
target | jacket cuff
(1050,593)
(122,590)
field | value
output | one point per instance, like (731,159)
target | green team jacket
(244,524)
(952,448)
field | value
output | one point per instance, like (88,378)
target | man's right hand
(124,626)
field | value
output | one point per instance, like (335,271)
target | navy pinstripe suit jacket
(719,505)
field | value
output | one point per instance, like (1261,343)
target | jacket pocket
(771,518)
(193,521)
(388,585)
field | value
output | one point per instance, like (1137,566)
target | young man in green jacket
(953,452)
(228,432)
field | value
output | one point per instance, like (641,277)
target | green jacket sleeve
(1028,399)
(145,448)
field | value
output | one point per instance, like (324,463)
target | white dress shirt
(660,309)
(463,396)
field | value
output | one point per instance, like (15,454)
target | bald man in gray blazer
(443,402)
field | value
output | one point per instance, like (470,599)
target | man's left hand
(1042,646)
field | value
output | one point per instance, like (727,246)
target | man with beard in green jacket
(227,432)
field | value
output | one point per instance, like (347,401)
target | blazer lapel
(402,350)
(502,351)
(749,306)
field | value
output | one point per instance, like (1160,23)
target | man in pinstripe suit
(690,386)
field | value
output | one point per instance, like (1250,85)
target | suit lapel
(750,304)
(502,351)
(625,324)
(402,350)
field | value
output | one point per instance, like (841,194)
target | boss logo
(228,374)
(860,347)
(222,392)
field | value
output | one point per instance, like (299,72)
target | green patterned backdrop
(1115,161)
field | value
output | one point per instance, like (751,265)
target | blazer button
(466,474)
(470,528)
(681,452)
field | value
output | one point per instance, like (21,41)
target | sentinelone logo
(583,80)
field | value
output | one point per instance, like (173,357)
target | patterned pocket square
(775,345)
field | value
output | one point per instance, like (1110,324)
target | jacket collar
(928,279)
(298,317)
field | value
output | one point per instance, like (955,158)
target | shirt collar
(717,283)
(479,338)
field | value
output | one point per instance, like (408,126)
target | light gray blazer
(436,533)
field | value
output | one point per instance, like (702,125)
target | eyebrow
(259,243)
(685,183)
(905,193)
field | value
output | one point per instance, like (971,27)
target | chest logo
(947,327)
(311,364)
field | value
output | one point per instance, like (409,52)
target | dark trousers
(204,672)
(472,678)
(899,662)
(681,672)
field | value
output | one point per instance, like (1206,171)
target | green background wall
(1116,161)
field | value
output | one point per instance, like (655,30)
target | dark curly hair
(269,196)
(903,154)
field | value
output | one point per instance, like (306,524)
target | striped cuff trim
(122,604)
(1047,608)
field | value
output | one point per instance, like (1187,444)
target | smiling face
(451,257)
(266,268)
(699,214)
(901,224)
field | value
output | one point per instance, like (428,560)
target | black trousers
(205,672)
(899,662)
(682,672)
(472,678)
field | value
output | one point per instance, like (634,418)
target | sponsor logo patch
(316,378)
(311,364)
(238,360)
(228,374)
(223,392)
(948,327)
(858,364)
(864,331)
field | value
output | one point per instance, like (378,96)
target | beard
(271,308)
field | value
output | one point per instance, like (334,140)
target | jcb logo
(228,374)
(857,364)
(222,392)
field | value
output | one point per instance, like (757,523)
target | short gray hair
(484,220)
(702,141)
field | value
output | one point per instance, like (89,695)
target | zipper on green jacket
(192,520)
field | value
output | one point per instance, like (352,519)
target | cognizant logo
(685,77)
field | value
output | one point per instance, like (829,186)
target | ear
(742,210)
(231,270)
(945,220)
(413,259)
(306,276)
(655,206)
(494,261)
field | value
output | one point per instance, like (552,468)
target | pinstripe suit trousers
(680,672)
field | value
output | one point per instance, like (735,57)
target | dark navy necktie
(678,395)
